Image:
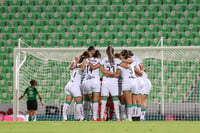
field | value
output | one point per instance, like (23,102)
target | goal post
(173,71)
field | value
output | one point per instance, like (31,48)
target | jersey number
(74,75)
(89,69)
(111,68)
(131,70)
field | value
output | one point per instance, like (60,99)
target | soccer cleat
(129,120)
(138,118)
(101,119)
(94,120)
(134,119)
(117,120)
(64,119)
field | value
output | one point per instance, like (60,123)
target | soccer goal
(173,71)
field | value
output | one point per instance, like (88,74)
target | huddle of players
(124,78)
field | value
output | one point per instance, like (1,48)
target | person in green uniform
(32,105)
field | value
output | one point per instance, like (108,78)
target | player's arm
(138,72)
(124,65)
(83,65)
(117,74)
(142,67)
(94,66)
(71,67)
(106,72)
(73,64)
(40,98)
(129,61)
(22,96)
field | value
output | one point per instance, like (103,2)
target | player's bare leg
(66,105)
(30,115)
(34,112)
(128,101)
(79,108)
(143,111)
(95,105)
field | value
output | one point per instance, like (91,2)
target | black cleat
(137,118)
(133,118)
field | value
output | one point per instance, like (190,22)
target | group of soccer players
(124,78)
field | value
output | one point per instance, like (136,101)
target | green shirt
(31,93)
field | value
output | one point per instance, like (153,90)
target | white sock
(103,107)
(129,112)
(123,111)
(116,107)
(79,111)
(82,113)
(139,110)
(134,110)
(65,110)
(95,107)
(143,112)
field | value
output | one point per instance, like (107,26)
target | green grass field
(100,127)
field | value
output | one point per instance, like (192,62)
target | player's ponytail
(97,54)
(125,53)
(130,53)
(110,53)
(83,56)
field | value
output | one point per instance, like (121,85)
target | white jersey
(109,84)
(90,73)
(76,75)
(128,73)
(137,60)
(110,67)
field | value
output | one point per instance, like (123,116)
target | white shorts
(73,89)
(110,85)
(91,86)
(147,86)
(139,86)
(128,84)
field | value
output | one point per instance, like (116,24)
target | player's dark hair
(118,55)
(33,82)
(90,48)
(125,53)
(130,53)
(110,53)
(83,56)
(97,54)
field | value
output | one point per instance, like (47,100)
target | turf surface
(100,127)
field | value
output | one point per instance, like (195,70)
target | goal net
(173,71)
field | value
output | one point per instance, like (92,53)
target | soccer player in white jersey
(109,83)
(147,88)
(128,83)
(92,82)
(122,106)
(138,91)
(72,90)
(86,100)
